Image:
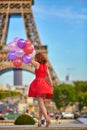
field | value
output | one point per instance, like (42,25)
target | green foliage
(24,120)
(81,91)
(6,94)
(81,86)
(82,99)
(64,94)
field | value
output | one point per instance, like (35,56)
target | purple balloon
(26,59)
(21,43)
(11,55)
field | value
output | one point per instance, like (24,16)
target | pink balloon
(16,39)
(19,52)
(12,46)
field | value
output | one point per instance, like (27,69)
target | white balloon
(33,53)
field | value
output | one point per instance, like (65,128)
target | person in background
(27,112)
(1,116)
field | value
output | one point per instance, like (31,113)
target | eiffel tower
(23,7)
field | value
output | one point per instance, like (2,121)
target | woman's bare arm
(49,77)
(35,63)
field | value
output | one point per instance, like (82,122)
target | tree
(82,99)
(81,92)
(81,86)
(64,95)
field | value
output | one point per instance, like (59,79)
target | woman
(40,87)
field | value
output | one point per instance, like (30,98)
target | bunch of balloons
(20,51)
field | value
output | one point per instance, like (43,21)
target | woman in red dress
(40,87)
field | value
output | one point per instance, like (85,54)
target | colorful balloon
(28,49)
(33,53)
(16,39)
(19,52)
(17,62)
(12,46)
(27,59)
(11,55)
(28,42)
(21,43)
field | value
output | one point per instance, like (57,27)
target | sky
(62,26)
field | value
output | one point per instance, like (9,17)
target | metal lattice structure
(23,7)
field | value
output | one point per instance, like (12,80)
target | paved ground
(64,125)
(51,127)
(60,125)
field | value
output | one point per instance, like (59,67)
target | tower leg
(17,77)
(23,7)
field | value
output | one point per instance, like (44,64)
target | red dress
(39,85)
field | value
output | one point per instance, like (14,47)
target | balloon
(11,55)
(32,46)
(33,53)
(12,46)
(26,59)
(21,43)
(19,52)
(16,39)
(28,42)
(28,49)
(17,62)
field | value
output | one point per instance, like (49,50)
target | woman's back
(41,72)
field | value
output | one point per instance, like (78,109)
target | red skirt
(40,86)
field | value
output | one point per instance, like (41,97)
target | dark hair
(39,57)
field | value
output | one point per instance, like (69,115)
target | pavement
(63,125)
(51,127)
